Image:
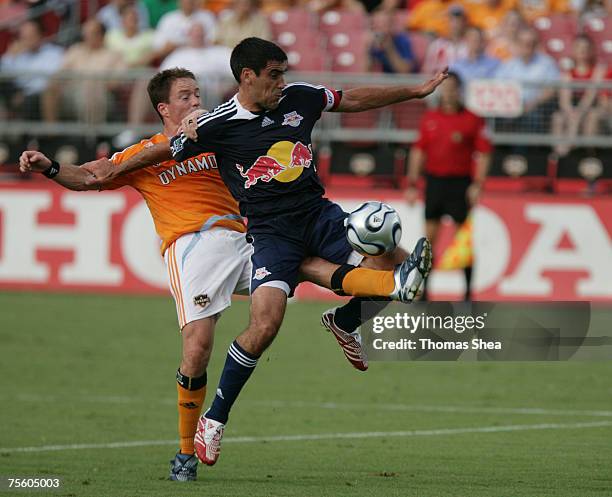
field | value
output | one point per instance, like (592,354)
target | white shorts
(205,269)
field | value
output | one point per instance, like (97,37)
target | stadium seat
(560,48)
(339,20)
(298,38)
(307,59)
(293,19)
(600,31)
(349,51)
(556,26)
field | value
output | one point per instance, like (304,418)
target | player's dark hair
(159,86)
(254,53)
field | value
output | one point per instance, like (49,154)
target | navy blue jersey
(265,158)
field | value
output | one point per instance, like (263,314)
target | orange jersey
(183,197)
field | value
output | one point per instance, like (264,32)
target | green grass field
(97,370)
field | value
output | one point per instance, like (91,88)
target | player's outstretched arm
(69,176)
(103,170)
(373,97)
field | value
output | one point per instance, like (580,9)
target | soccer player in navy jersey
(262,140)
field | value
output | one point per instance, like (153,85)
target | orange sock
(190,404)
(363,282)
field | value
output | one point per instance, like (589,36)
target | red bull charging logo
(284,162)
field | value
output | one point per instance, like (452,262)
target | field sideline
(88,394)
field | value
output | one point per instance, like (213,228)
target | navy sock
(238,367)
(349,317)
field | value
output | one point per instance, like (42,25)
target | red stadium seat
(600,31)
(293,19)
(560,48)
(341,20)
(298,39)
(556,26)
(307,59)
(349,50)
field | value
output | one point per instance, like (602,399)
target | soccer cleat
(349,342)
(184,467)
(207,440)
(411,274)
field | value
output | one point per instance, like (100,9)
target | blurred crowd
(525,40)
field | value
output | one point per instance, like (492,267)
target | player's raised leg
(408,277)
(328,240)
(267,311)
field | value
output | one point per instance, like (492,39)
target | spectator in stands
(444,51)
(157,9)
(208,62)
(580,111)
(86,97)
(110,14)
(505,40)
(531,68)
(595,9)
(488,14)
(29,52)
(454,153)
(243,21)
(430,16)
(171,32)
(390,51)
(200,57)
(476,65)
(134,45)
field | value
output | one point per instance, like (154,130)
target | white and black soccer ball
(373,229)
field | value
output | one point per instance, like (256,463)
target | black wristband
(52,170)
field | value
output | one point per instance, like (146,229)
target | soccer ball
(373,229)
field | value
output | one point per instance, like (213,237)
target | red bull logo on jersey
(284,162)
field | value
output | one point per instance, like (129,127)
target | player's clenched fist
(189,125)
(33,161)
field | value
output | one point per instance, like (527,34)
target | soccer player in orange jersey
(202,241)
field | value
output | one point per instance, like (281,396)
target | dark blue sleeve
(313,98)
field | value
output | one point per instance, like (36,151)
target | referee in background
(454,153)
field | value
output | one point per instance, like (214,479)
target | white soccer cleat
(349,342)
(207,440)
(411,274)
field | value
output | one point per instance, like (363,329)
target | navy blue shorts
(282,242)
